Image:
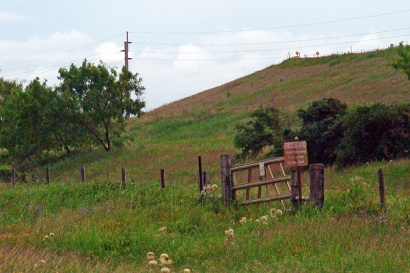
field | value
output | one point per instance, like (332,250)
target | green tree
(6,87)
(26,129)
(403,62)
(322,129)
(97,99)
(262,130)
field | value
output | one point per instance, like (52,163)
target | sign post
(296,156)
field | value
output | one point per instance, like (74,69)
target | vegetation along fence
(251,183)
(267,181)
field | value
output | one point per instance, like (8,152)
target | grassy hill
(97,226)
(174,135)
(351,78)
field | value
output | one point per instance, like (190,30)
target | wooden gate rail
(261,183)
(271,173)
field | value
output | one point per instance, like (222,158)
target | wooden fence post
(299,175)
(163,179)
(123,177)
(294,189)
(13,176)
(47,175)
(381,188)
(200,175)
(317,184)
(82,172)
(206,179)
(226,165)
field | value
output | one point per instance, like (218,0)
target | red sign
(295,153)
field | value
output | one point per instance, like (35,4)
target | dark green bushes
(334,133)
(345,137)
(322,129)
(374,133)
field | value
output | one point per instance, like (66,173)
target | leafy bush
(262,130)
(376,132)
(5,172)
(322,129)
(403,62)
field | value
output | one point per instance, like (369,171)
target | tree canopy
(98,99)
(27,128)
(87,107)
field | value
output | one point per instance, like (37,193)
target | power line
(63,52)
(266,50)
(52,68)
(275,42)
(55,67)
(273,28)
(219,45)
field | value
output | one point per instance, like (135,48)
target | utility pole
(126,58)
(126,43)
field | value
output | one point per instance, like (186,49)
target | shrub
(376,132)
(262,130)
(5,172)
(322,129)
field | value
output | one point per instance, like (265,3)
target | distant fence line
(305,56)
(230,183)
(203,178)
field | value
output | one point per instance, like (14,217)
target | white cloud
(42,55)
(109,53)
(11,17)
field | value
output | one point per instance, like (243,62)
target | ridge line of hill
(352,78)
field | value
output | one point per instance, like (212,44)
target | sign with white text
(295,154)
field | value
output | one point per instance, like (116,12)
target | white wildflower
(150,256)
(165,270)
(152,263)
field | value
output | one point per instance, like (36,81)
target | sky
(180,48)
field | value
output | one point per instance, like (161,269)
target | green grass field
(97,226)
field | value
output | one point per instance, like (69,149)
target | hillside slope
(173,136)
(351,78)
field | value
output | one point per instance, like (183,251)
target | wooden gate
(259,182)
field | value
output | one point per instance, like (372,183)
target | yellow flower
(187,271)
(51,234)
(150,256)
(279,212)
(272,213)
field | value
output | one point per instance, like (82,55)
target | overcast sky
(180,48)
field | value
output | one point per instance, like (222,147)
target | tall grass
(104,227)
(98,226)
